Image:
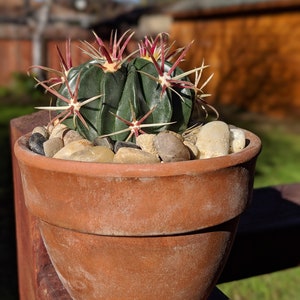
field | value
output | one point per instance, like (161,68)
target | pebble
(134,156)
(99,154)
(213,139)
(71,136)
(35,143)
(170,148)
(190,135)
(58,131)
(237,140)
(42,130)
(121,144)
(178,135)
(146,143)
(52,146)
(69,149)
(104,141)
(194,151)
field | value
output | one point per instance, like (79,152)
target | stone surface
(52,146)
(70,136)
(71,148)
(194,151)
(134,156)
(146,143)
(35,143)
(121,144)
(213,139)
(237,140)
(104,141)
(58,131)
(190,135)
(178,135)
(170,148)
(99,154)
(42,130)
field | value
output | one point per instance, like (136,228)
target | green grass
(278,162)
(283,285)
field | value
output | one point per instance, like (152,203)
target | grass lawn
(283,285)
(277,164)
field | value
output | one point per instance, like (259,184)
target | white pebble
(237,140)
(213,139)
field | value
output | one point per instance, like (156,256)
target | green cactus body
(127,93)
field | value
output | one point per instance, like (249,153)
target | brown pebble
(170,148)
(68,150)
(71,136)
(134,156)
(98,154)
(52,146)
(194,151)
(42,130)
(58,131)
(146,143)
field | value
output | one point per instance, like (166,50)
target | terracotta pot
(152,231)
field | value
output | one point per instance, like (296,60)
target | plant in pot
(136,197)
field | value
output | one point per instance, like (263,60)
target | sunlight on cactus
(120,95)
(136,126)
(110,59)
(73,105)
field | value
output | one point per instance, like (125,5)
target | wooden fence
(253,51)
(16,56)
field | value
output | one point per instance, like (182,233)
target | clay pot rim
(189,167)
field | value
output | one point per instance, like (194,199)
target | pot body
(159,231)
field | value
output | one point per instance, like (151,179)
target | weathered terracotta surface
(158,231)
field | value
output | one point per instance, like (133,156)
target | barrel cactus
(122,96)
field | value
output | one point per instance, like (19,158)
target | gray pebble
(35,143)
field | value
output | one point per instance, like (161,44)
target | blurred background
(251,46)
